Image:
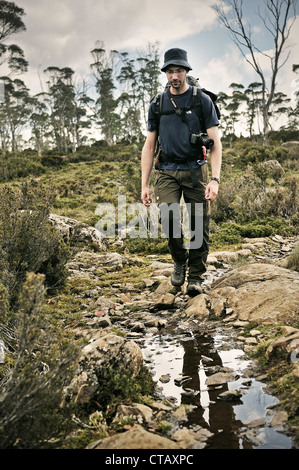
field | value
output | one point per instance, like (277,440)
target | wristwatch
(216,179)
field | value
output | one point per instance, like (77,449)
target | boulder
(197,307)
(228,256)
(137,438)
(220,378)
(279,419)
(165,301)
(164,287)
(261,293)
(109,351)
(77,232)
(287,343)
(189,439)
(138,411)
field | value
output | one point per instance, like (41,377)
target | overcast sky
(63,32)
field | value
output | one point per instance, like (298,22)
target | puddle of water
(181,364)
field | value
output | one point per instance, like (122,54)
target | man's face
(176,76)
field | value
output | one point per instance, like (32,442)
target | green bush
(14,166)
(4,304)
(284,135)
(247,198)
(28,242)
(53,160)
(260,153)
(42,365)
(230,233)
(226,234)
(118,386)
(39,357)
(293,259)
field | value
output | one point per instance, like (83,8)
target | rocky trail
(210,393)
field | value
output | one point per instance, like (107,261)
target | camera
(201,140)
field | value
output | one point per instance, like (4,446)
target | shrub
(28,242)
(260,153)
(116,387)
(284,200)
(30,396)
(53,160)
(19,166)
(293,259)
(227,234)
(230,233)
(4,304)
(247,198)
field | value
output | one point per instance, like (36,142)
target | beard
(176,83)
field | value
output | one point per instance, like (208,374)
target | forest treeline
(110,103)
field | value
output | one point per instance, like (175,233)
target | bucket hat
(176,57)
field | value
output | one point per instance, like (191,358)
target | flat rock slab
(261,293)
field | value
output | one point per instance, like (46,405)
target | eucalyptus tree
(11,22)
(129,98)
(39,120)
(148,76)
(103,70)
(14,112)
(222,102)
(232,110)
(294,110)
(59,96)
(139,78)
(277,18)
(234,106)
(280,107)
(254,103)
(66,108)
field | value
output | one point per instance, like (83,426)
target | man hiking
(181,166)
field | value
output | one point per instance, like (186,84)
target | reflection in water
(193,359)
(204,393)
(216,415)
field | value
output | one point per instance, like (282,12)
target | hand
(211,190)
(146,197)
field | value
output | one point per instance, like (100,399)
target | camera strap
(182,113)
(179,111)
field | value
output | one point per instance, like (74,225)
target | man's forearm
(216,152)
(216,160)
(147,158)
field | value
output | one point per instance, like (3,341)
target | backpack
(197,103)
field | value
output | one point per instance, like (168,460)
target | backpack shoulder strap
(157,100)
(213,98)
(197,103)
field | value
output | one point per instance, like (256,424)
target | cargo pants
(170,186)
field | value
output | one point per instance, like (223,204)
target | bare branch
(278,20)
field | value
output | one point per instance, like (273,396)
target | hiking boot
(194,288)
(178,274)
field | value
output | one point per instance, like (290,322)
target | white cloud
(232,66)
(63,32)
(120,23)
(286,75)
(222,71)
